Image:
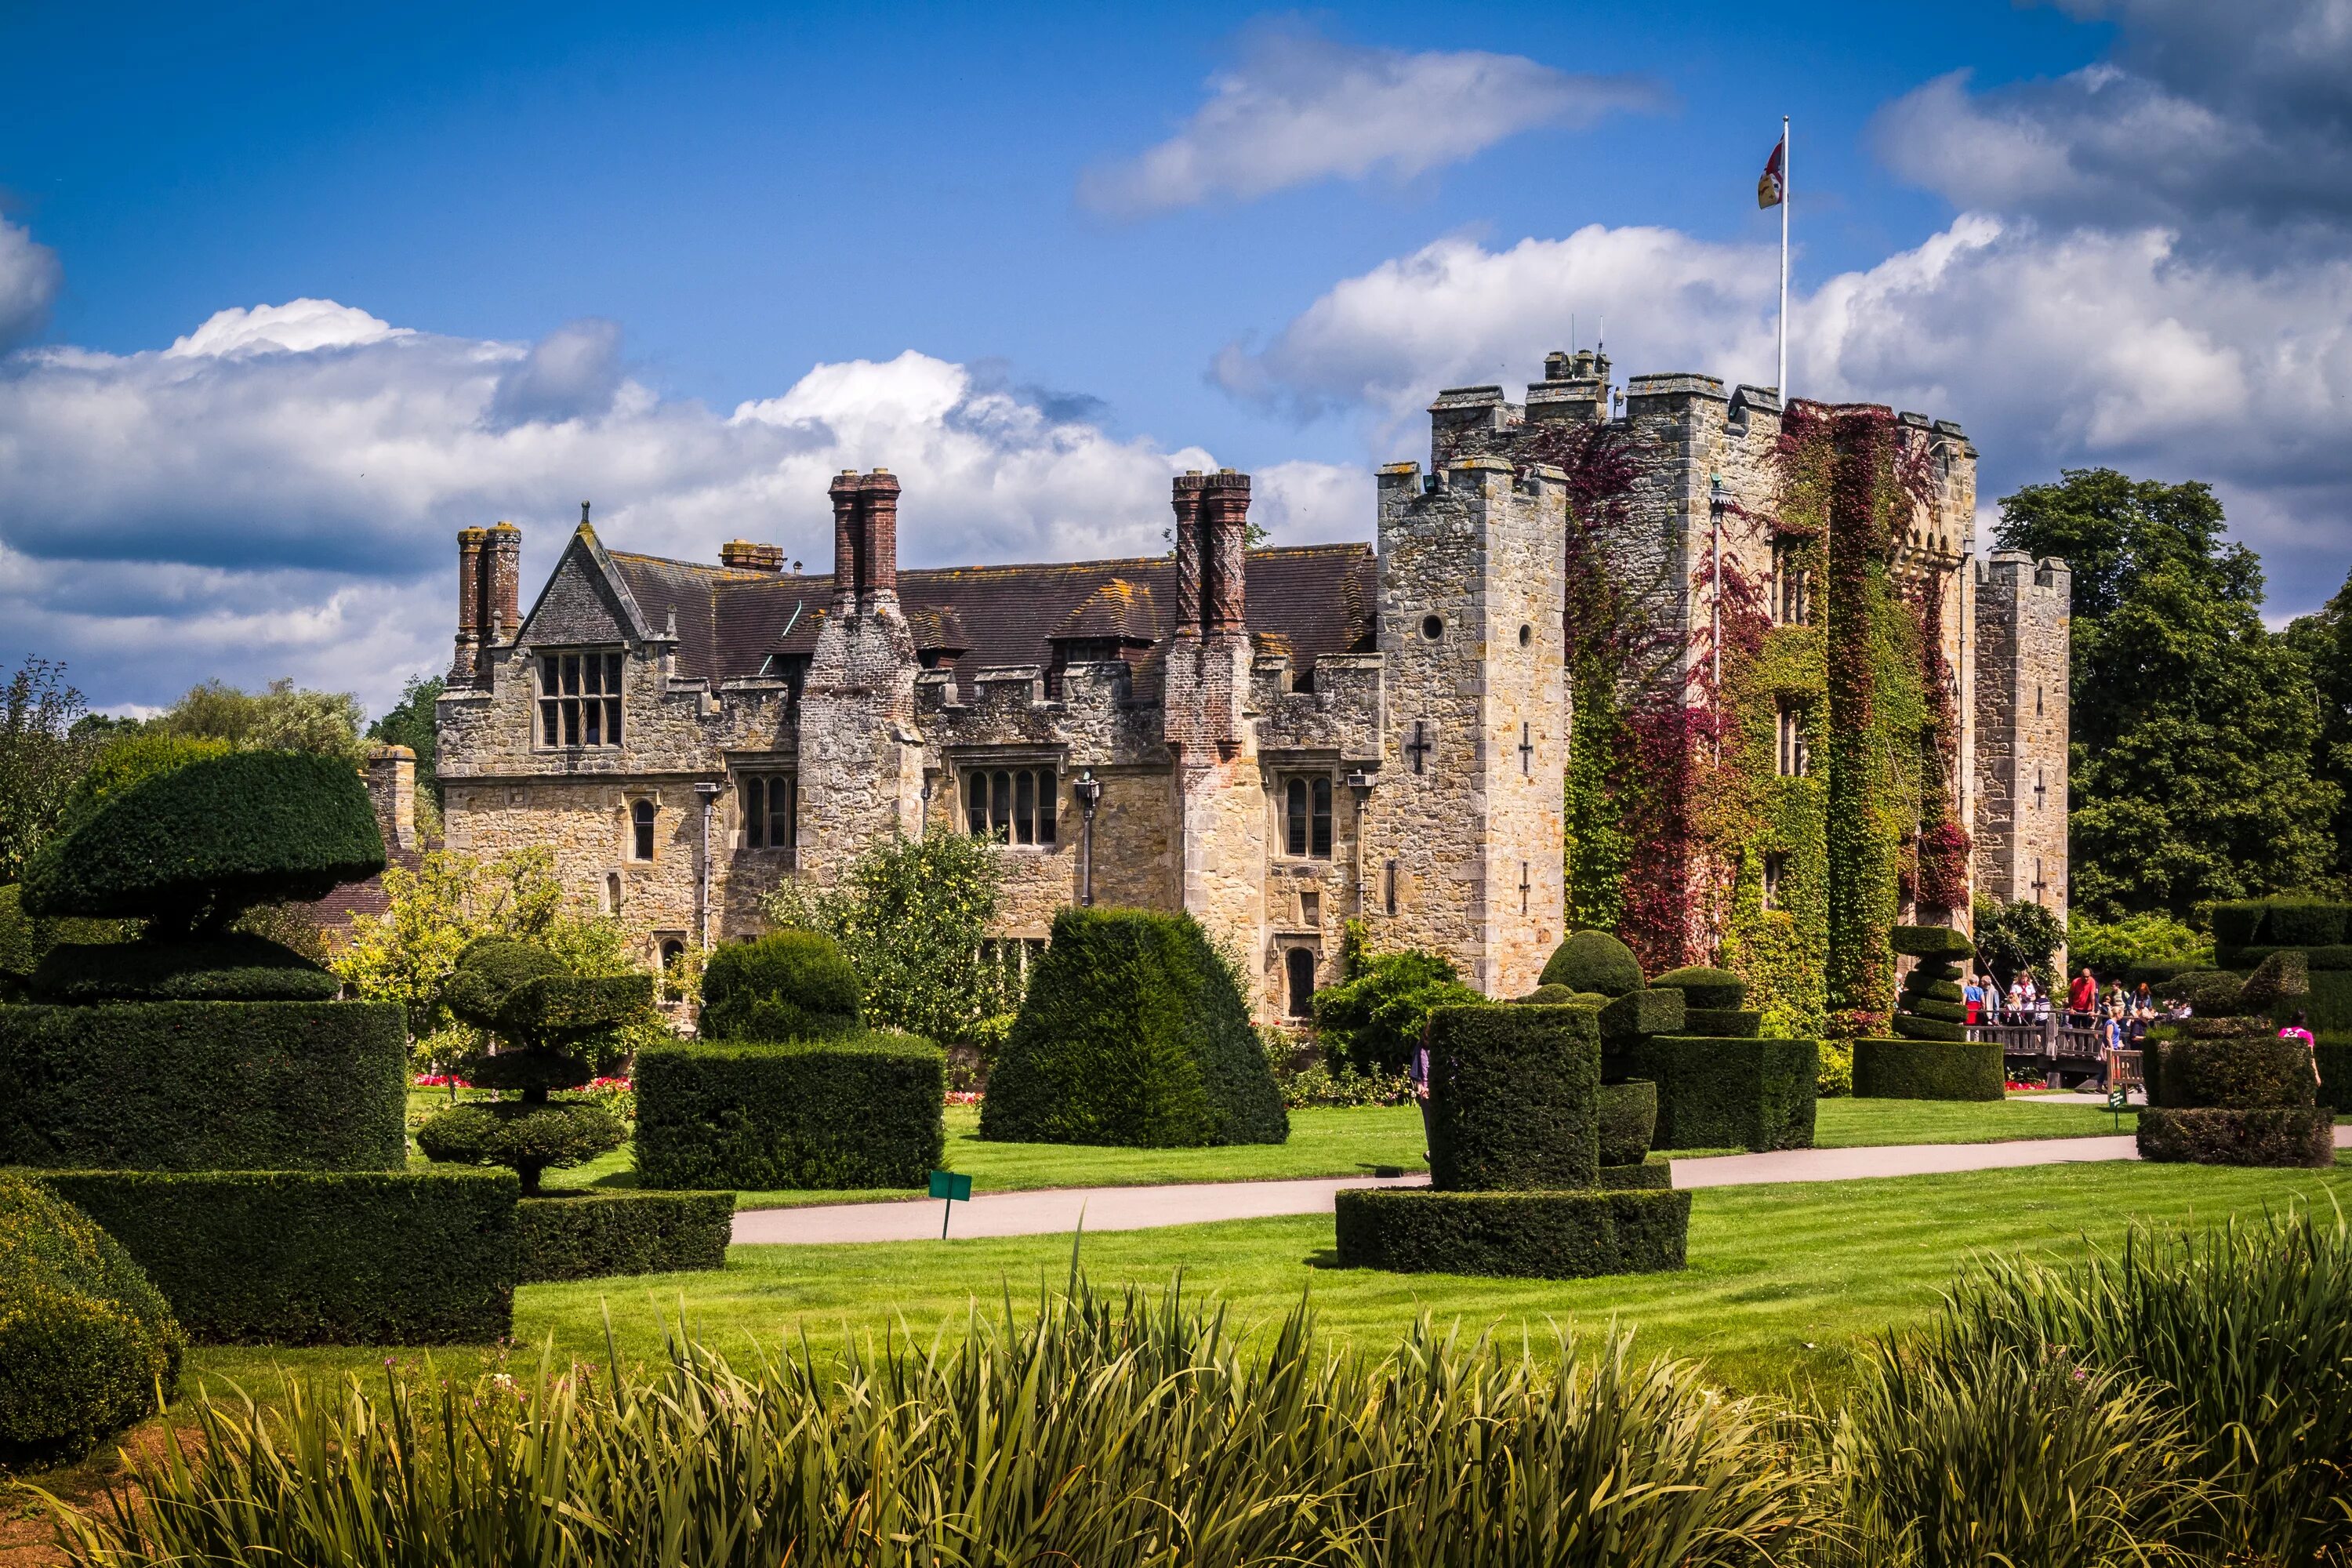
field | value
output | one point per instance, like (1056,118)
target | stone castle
(1276,739)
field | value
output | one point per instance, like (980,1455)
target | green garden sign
(2118,1099)
(953,1188)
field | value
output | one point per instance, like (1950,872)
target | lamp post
(1088,791)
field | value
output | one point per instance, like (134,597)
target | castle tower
(1463,833)
(2023,642)
(1219,789)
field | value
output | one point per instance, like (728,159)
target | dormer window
(579,699)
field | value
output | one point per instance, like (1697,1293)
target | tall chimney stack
(503,553)
(1225,501)
(878,556)
(1185,497)
(846,486)
(469,605)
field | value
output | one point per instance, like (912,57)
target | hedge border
(2335,1074)
(1533,1236)
(1929,1070)
(2298,1137)
(867,1112)
(595,1235)
(315,1257)
(1650,1175)
(1513,1098)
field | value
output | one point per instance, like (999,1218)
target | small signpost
(953,1188)
(2118,1100)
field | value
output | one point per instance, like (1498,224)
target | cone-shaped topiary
(84,1339)
(792,986)
(1594,961)
(190,850)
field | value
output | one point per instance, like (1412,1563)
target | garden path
(1141,1208)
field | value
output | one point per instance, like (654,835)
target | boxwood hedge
(2335,1074)
(1629,1119)
(790,985)
(590,1235)
(1721,1023)
(2242,1074)
(2287,1135)
(1593,960)
(1638,1012)
(1727,1093)
(1928,1069)
(204,1086)
(1133,1033)
(303,1258)
(233,966)
(1717,989)
(84,1340)
(1648,1175)
(864,1111)
(1514,1100)
(1533,1235)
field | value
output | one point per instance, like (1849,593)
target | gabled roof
(586,600)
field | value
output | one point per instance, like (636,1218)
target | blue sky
(682,259)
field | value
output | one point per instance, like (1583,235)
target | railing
(2048,1046)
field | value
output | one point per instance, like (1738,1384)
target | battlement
(2014,573)
(1403,485)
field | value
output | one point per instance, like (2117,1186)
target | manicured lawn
(1782,1282)
(1354,1142)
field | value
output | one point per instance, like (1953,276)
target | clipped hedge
(1940,944)
(1638,1012)
(1728,1093)
(1526,1235)
(2334,1074)
(1721,1023)
(791,985)
(1930,1031)
(2327,1007)
(1917,990)
(2288,1135)
(588,1236)
(1650,1175)
(2242,1074)
(1629,1118)
(867,1112)
(1703,987)
(84,1338)
(232,967)
(1513,1098)
(1593,960)
(1942,1012)
(194,846)
(204,1086)
(1133,1033)
(1928,1069)
(303,1258)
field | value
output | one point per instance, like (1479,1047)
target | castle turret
(2024,611)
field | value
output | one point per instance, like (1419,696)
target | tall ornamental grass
(1105,1432)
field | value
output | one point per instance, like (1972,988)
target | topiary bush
(1928,1069)
(527,1138)
(1640,1013)
(2223,1089)
(84,1340)
(1717,989)
(1594,961)
(1133,1033)
(1715,1093)
(791,985)
(2282,1136)
(1936,943)
(1629,1118)
(864,1111)
(587,1236)
(191,849)
(1541,1234)
(1513,1098)
(231,967)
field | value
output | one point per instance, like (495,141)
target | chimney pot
(743,555)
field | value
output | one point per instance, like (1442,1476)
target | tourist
(2082,1000)
(1972,997)
(2297,1030)
(1416,1072)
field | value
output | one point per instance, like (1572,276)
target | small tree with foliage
(282,718)
(43,754)
(911,918)
(2013,939)
(1370,1021)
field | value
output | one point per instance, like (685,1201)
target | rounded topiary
(791,985)
(526,1136)
(84,1339)
(231,967)
(1594,961)
(191,849)
(1562,996)
(1704,987)
(1933,942)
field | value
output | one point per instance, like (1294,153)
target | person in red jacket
(2083,999)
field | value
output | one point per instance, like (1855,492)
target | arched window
(1299,963)
(641,822)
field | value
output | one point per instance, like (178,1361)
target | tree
(2011,939)
(910,917)
(2194,726)
(43,754)
(412,722)
(2325,641)
(281,718)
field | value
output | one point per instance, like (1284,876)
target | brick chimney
(502,568)
(877,582)
(1224,528)
(1185,497)
(846,486)
(392,785)
(469,605)
(743,556)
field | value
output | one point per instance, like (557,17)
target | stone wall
(2025,616)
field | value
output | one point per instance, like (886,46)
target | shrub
(1533,1235)
(303,1257)
(1729,1094)
(1513,1098)
(2016,937)
(1134,1033)
(1629,1117)
(587,1236)
(866,1112)
(84,1339)
(2303,922)
(1594,961)
(1648,1176)
(193,1086)
(1834,1080)
(1372,1021)
(1935,1031)
(231,967)
(193,848)
(1721,1023)
(792,986)
(1717,989)
(1640,1013)
(2287,1135)
(2232,1074)
(2237,924)
(2328,1005)
(1559,996)
(2335,1059)
(2132,945)
(527,1138)
(1928,1069)
(1935,944)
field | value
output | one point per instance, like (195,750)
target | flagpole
(1781,384)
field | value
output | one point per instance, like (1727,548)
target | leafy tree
(1370,1021)
(911,918)
(412,722)
(2011,939)
(2111,949)
(281,718)
(2193,725)
(42,755)
(2325,641)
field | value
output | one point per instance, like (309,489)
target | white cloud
(29,280)
(278,492)
(1299,108)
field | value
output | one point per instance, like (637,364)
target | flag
(1772,188)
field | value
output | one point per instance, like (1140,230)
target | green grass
(1354,1142)
(1783,1280)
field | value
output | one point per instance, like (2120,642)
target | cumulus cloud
(279,490)
(1299,108)
(29,278)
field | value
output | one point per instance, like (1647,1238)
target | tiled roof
(337,909)
(1317,598)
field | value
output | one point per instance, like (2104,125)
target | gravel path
(1141,1208)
